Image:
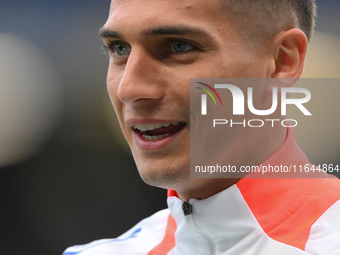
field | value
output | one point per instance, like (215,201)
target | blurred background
(66,175)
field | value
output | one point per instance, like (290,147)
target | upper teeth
(148,127)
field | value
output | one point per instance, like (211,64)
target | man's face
(156,46)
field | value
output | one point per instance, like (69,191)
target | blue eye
(120,49)
(179,46)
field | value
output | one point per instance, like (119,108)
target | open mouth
(153,132)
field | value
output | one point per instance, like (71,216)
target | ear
(291,48)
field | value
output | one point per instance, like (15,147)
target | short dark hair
(260,19)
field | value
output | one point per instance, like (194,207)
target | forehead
(188,5)
(165,12)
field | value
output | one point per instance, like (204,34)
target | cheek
(112,86)
(113,80)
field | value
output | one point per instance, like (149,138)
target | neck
(262,149)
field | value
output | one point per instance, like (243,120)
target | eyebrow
(166,30)
(175,30)
(107,33)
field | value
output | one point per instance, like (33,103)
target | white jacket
(256,216)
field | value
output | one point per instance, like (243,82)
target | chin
(164,177)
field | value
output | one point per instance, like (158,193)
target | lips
(154,132)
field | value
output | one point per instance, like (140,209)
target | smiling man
(155,47)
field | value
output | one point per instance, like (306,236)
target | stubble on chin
(167,177)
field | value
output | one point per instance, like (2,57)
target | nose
(142,79)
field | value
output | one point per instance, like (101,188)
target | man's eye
(120,49)
(179,46)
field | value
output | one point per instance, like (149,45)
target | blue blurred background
(66,175)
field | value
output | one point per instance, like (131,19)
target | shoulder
(301,212)
(138,240)
(325,232)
